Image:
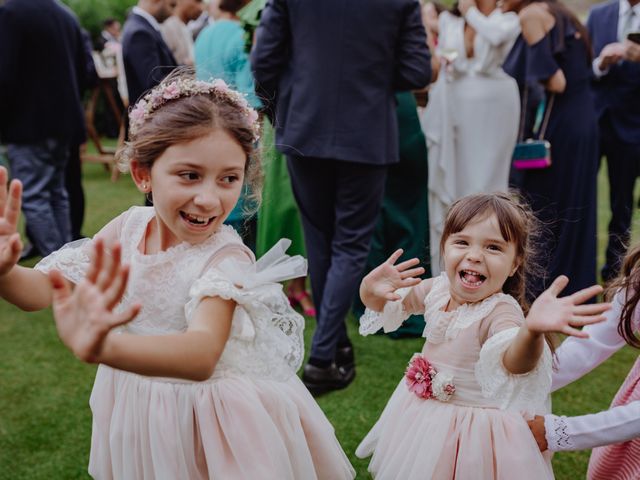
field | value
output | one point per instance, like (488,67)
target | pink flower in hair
(253,115)
(137,114)
(220,84)
(171,91)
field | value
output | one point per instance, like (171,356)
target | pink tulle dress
(480,431)
(253,418)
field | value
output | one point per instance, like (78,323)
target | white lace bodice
(266,334)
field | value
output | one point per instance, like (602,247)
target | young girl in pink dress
(460,410)
(613,434)
(198,346)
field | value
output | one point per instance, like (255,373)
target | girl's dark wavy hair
(629,280)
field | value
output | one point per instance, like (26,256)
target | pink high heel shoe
(295,299)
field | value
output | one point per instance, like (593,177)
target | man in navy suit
(147,58)
(330,69)
(42,72)
(617,97)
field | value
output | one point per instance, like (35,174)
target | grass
(45,422)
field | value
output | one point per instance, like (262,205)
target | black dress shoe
(345,357)
(322,380)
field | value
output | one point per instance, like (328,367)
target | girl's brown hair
(188,118)
(518,225)
(629,280)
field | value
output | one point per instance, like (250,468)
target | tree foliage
(92,13)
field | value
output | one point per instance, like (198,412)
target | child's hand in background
(380,285)
(10,243)
(84,317)
(552,314)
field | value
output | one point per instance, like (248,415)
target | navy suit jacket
(618,92)
(42,71)
(147,58)
(332,67)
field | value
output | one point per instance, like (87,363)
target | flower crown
(188,87)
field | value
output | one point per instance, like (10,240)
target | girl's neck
(486,6)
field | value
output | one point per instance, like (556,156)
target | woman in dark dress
(554,51)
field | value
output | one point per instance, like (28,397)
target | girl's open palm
(10,243)
(383,281)
(549,313)
(84,317)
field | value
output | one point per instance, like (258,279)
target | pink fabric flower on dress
(423,380)
(419,376)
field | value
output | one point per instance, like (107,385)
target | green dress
(404,217)
(278,216)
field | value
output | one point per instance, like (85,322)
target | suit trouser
(339,203)
(623,166)
(45,204)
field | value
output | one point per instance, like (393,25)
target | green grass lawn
(45,422)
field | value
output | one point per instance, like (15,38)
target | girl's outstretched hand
(84,317)
(10,243)
(380,285)
(552,314)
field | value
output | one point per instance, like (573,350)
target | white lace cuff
(525,392)
(389,319)
(556,434)
(72,260)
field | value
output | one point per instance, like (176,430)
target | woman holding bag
(554,51)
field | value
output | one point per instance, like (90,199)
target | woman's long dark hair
(629,280)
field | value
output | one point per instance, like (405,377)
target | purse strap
(545,121)
(547,114)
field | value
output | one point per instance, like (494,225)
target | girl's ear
(141,175)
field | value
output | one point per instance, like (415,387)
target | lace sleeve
(72,260)
(528,391)
(389,319)
(266,333)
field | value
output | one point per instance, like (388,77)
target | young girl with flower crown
(614,434)
(197,345)
(460,410)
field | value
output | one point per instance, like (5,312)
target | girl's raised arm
(379,286)
(552,314)
(85,319)
(24,287)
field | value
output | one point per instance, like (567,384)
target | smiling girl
(460,410)
(199,379)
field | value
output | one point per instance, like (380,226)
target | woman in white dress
(471,120)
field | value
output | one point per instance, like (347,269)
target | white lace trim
(556,434)
(266,333)
(525,392)
(389,319)
(72,260)
(443,326)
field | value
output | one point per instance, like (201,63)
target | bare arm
(192,355)
(85,319)
(552,314)
(536,22)
(24,287)
(379,286)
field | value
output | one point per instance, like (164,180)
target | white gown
(253,418)
(471,120)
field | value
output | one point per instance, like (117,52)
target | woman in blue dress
(554,51)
